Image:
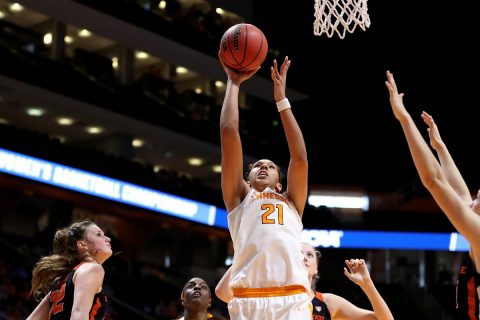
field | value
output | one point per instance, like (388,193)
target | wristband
(283,105)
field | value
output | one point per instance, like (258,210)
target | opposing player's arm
(342,309)
(450,169)
(433,177)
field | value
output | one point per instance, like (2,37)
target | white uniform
(266,229)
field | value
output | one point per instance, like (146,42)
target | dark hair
(188,281)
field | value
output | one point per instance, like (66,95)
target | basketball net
(340,16)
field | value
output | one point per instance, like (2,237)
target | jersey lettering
(269,209)
(56,298)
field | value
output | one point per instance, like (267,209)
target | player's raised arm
(297,175)
(234,186)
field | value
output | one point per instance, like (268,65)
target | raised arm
(234,188)
(341,308)
(449,167)
(465,220)
(297,175)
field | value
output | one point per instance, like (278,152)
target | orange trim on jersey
(471,298)
(319,296)
(268,292)
(78,265)
(95,308)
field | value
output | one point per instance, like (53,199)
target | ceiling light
(217,168)
(47,38)
(2,14)
(162,5)
(94,130)
(68,39)
(64,121)
(141,55)
(114,62)
(157,168)
(35,112)
(137,143)
(198,90)
(16,7)
(3,121)
(181,70)
(195,162)
(84,33)
(219,84)
(219,11)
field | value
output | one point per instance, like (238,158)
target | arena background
(95,86)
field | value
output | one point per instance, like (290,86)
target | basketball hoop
(340,16)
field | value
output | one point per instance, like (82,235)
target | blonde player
(268,278)
(328,306)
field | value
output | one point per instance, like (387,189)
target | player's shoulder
(91,267)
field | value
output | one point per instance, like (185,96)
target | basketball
(243,47)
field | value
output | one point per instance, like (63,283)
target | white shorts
(290,307)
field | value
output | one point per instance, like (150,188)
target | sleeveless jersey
(265,229)
(468,289)
(320,309)
(61,301)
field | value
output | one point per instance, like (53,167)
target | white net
(340,16)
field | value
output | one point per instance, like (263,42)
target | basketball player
(328,306)
(196,298)
(268,278)
(447,186)
(71,279)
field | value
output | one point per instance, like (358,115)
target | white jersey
(266,228)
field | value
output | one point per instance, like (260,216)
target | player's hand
(279,78)
(236,77)
(435,140)
(396,99)
(357,271)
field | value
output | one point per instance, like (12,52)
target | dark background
(352,136)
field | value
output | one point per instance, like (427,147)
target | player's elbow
(300,161)
(431,182)
(228,128)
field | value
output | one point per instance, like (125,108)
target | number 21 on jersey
(269,209)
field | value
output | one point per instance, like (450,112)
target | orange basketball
(243,47)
